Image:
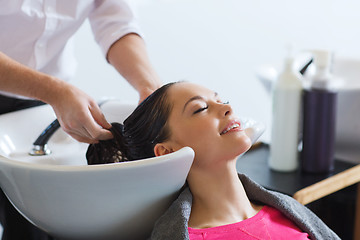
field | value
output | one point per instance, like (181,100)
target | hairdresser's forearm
(128,55)
(78,114)
(22,80)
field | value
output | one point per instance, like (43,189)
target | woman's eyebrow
(192,99)
(196,98)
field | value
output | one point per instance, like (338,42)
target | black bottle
(319,118)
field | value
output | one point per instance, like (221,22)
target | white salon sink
(64,196)
(70,200)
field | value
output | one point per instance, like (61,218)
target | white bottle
(286,110)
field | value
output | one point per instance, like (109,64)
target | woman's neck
(219,198)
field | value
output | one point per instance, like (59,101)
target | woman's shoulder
(292,209)
(173,223)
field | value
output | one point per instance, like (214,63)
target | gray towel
(174,223)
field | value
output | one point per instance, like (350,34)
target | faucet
(40,147)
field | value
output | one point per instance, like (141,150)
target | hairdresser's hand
(144,94)
(79,115)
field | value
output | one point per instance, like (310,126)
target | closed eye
(201,109)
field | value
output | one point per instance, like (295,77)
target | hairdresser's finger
(78,131)
(95,131)
(81,137)
(80,134)
(84,128)
(99,133)
(75,129)
(99,116)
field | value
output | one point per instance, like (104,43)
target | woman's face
(201,120)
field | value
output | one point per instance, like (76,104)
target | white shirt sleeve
(110,20)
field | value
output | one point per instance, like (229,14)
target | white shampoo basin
(65,197)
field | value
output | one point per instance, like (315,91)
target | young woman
(218,203)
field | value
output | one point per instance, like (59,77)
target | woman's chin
(244,144)
(247,143)
(243,148)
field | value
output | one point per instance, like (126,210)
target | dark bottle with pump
(319,118)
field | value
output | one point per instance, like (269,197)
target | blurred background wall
(221,44)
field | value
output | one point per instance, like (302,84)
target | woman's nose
(225,109)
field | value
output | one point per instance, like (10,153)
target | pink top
(268,223)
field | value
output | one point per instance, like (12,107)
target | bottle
(319,112)
(286,111)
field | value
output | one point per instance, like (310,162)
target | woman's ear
(162,149)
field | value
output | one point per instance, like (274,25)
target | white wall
(220,43)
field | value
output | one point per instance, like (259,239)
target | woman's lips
(233,125)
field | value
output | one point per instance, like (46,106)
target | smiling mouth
(232,126)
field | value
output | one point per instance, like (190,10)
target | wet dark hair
(141,131)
